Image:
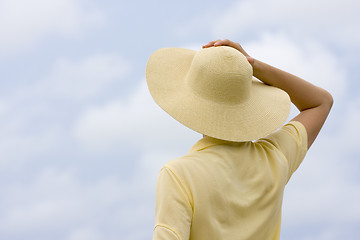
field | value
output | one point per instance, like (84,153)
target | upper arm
(313,118)
(291,141)
(173,211)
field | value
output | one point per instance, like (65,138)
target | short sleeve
(291,140)
(173,211)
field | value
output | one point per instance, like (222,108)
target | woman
(230,185)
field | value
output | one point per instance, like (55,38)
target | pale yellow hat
(212,91)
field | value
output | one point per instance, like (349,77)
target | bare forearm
(303,94)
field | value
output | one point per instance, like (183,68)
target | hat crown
(220,74)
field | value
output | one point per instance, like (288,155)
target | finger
(224,42)
(251,60)
(210,44)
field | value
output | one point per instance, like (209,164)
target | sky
(82,141)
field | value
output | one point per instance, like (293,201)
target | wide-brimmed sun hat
(212,91)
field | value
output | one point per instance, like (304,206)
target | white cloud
(136,122)
(3,107)
(324,193)
(77,80)
(349,126)
(309,60)
(327,186)
(23,23)
(86,77)
(32,145)
(322,198)
(61,203)
(34,116)
(85,234)
(60,200)
(332,21)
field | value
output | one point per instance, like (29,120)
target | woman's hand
(227,42)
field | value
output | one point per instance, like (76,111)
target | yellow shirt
(228,191)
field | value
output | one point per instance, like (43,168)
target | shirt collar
(207,142)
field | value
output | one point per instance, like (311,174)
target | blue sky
(82,141)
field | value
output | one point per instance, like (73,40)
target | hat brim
(265,111)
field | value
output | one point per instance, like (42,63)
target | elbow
(328,99)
